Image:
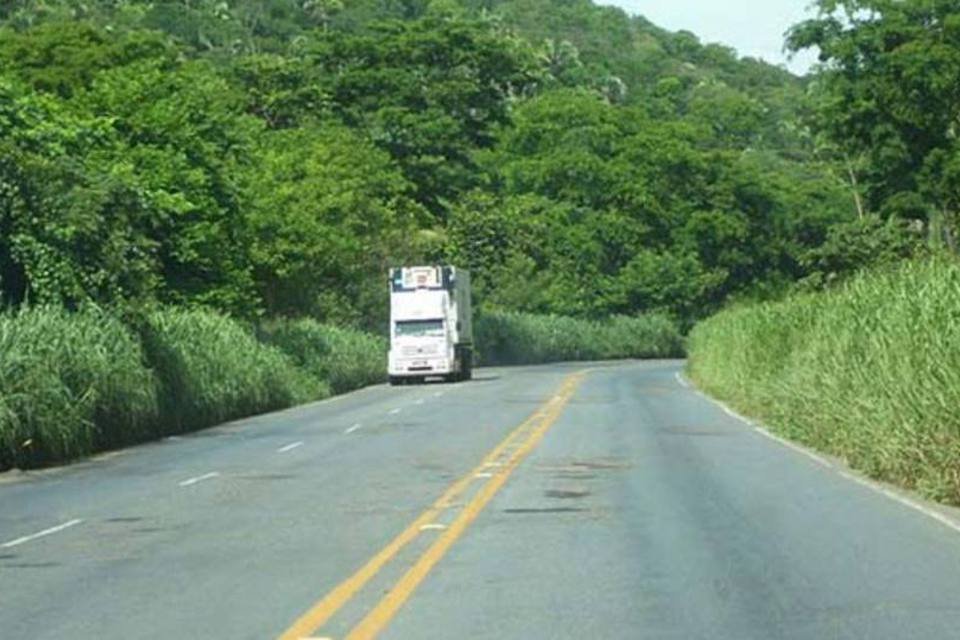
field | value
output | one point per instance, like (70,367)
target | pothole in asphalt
(566,494)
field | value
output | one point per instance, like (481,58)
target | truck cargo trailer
(431,324)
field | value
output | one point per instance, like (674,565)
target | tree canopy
(274,158)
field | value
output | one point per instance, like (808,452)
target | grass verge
(212,369)
(521,338)
(70,384)
(345,358)
(869,371)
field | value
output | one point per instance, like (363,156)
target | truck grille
(427,350)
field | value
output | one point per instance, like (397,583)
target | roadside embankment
(869,371)
(521,338)
(74,383)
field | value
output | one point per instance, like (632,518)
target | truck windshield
(419,328)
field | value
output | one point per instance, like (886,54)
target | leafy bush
(70,384)
(344,358)
(861,244)
(869,371)
(519,338)
(213,369)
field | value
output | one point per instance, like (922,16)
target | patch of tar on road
(566,494)
(30,565)
(527,511)
(584,466)
(574,475)
(125,519)
(264,477)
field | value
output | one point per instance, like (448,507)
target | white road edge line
(933,514)
(290,447)
(353,428)
(40,534)
(823,462)
(192,481)
(905,501)
(681,380)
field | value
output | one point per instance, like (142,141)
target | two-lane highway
(570,501)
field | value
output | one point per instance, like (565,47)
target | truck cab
(431,328)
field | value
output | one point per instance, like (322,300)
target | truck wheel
(395,381)
(466,367)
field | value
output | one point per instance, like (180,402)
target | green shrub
(213,369)
(869,371)
(70,384)
(345,358)
(519,338)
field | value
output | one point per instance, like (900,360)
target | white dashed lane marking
(290,447)
(193,481)
(40,534)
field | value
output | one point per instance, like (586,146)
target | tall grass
(70,383)
(520,338)
(869,372)
(344,358)
(212,369)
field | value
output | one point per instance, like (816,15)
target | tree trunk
(855,187)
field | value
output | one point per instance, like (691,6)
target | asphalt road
(568,501)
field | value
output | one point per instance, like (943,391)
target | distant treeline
(273,158)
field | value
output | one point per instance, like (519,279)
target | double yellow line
(499,464)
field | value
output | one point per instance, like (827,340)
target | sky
(753,27)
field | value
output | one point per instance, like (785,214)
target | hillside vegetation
(273,158)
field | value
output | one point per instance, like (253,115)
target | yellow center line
(379,617)
(325,608)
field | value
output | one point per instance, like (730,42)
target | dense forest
(273,158)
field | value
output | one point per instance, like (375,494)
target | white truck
(431,324)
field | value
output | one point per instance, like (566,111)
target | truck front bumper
(420,367)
